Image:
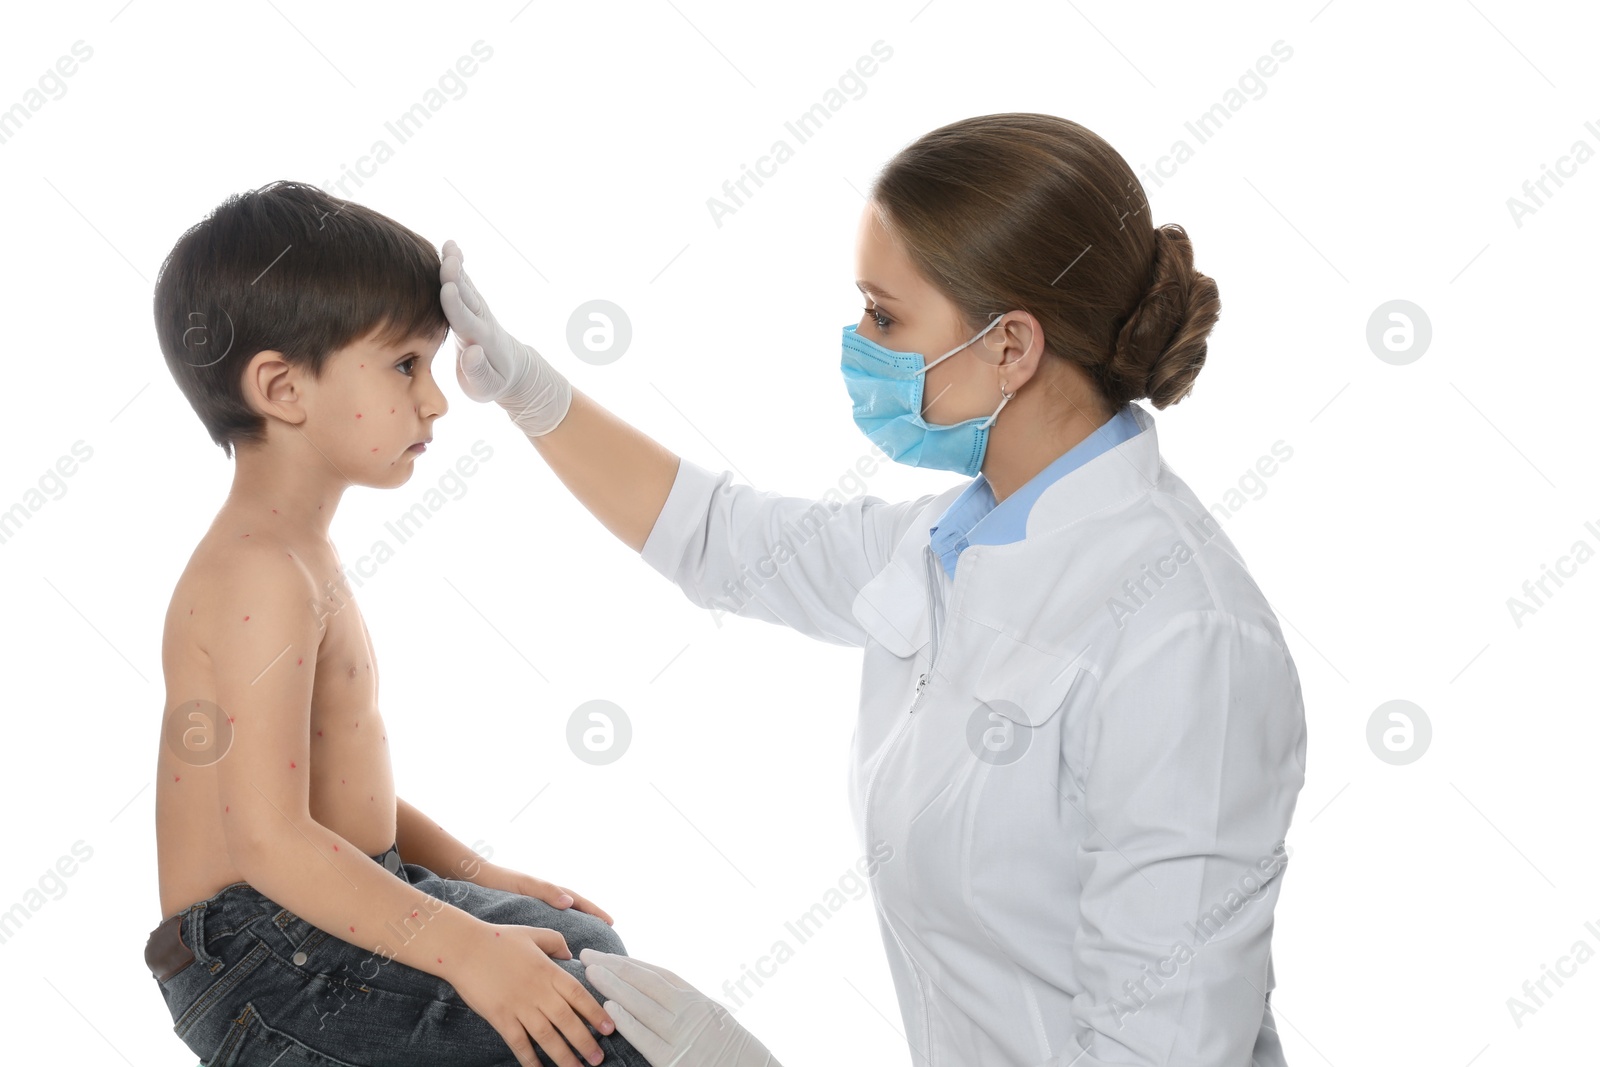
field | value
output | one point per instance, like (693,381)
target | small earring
(1005,394)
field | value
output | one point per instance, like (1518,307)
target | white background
(1376,165)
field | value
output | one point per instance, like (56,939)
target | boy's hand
(521,992)
(494,876)
(669,1021)
(493,365)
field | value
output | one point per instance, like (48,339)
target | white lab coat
(1106,898)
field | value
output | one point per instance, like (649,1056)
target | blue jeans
(267,988)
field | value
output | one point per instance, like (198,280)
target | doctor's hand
(668,1020)
(493,365)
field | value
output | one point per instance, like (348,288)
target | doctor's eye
(879,320)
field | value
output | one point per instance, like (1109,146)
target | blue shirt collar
(974,518)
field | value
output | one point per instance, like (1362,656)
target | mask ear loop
(1005,398)
(934,363)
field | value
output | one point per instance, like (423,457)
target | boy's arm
(425,842)
(263,649)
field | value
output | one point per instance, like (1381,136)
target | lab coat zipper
(933,626)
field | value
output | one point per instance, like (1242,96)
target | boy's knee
(598,935)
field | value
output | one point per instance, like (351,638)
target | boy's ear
(271,387)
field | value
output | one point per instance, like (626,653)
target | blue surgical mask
(886,391)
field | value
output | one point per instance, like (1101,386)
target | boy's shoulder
(226,571)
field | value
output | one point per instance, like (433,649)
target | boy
(302,329)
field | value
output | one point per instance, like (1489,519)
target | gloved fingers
(650,978)
(640,1036)
(659,1018)
(477,376)
(474,300)
(463,320)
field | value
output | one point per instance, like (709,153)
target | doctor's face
(903,311)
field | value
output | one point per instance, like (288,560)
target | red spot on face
(299,660)
(413,915)
(291,765)
(319,733)
(230,718)
(391,411)
(358,414)
(374,449)
(352,929)
(274,511)
(341,781)
(247,618)
(336,849)
(191,611)
(497,933)
(246,535)
(227,808)
(174,777)
(439,958)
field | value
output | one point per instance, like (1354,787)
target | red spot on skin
(246,535)
(227,808)
(374,449)
(413,915)
(319,733)
(274,511)
(439,958)
(369,796)
(358,414)
(497,933)
(174,777)
(341,781)
(247,618)
(336,849)
(363,366)
(191,611)
(291,765)
(230,718)
(352,929)
(391,411)
(299,660)
(358,724)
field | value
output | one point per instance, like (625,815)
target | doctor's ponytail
(1036,212)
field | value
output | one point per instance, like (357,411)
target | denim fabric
(268,988)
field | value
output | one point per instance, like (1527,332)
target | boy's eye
(878,318)
(402,365)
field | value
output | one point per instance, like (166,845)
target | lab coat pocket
(1023,685)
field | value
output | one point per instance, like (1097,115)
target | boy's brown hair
(291,268)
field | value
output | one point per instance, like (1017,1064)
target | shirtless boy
(312,915)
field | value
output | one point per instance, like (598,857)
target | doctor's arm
(789,560)
(1196,755)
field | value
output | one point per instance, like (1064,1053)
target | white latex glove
(493,365)
(668,1020)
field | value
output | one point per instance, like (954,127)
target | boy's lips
(420,446)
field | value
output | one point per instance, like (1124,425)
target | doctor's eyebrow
(876,293)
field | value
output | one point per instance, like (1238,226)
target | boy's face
(372,405)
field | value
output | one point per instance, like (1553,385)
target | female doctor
(1081,734)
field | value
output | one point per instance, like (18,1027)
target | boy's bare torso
(351,781)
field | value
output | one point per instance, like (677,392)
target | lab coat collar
(1120,473)
(893,606)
